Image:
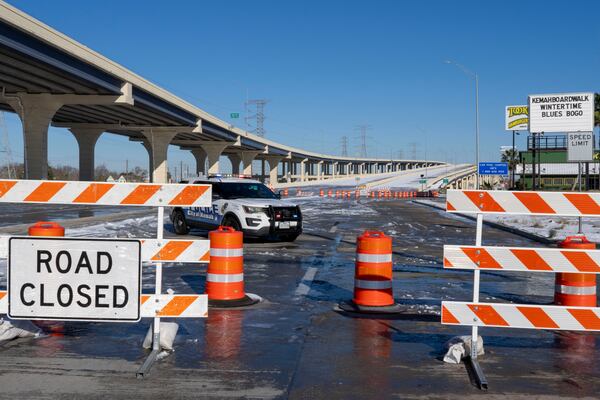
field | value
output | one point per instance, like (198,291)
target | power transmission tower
(6,148)
(400,154)
(344,146)
(413,150)
(362,129)
(258,115)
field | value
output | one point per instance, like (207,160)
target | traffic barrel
(330,193)
(321,193)
(46,229)
(574,289)
(43,228)
(225,274)
(357,194)
(373,275)
(372,195)
(285,192)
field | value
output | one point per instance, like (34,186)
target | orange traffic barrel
(321,193)
(373,275)
(46,229)
(225,274)
(372,195)
(574,289)
(285,192)
(337,194)
(357,194)
(330,193)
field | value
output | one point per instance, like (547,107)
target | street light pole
(476,77)
(477,129)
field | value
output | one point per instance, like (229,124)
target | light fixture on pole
(476,78)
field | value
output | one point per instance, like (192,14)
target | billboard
(563,112)
(516,118)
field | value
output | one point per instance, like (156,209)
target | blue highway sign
(493,168)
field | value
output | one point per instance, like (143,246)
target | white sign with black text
(74,279)
(580,146)
(566,112)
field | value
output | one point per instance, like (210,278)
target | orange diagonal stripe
(448,318)
(189,195)
(534,202)
(2,294)
(449,207)
(584,203)
(45,191)
(587,318)
(144,298)
(487,315)
(93,192)
(531,259)
(176,306)
(447,263)
(538,317)
(581,260)
(206,256)
(486,261)
(172,250)
(5,186)
(483,200)
(141,194)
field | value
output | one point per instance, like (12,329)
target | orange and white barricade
(373,292)
(225,275)
(156,250)
(580,314)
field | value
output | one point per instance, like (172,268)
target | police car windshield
(237,190)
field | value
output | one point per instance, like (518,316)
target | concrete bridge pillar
(334,170)
(159,140)
(200,157)
(86,140)
(319,171)
(213,152)
(235,159)
(303,170)
(36,112)
(148,148)
(273,167)
(247,158)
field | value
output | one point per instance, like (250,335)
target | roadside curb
(515,231)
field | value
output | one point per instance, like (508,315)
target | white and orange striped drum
(573,289)
(373,273)
(225,277)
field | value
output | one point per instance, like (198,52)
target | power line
(258,115)
(362,129)
(344,146)
(413,150)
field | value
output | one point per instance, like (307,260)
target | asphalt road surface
(294,345)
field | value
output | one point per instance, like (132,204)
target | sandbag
(168,331)
(14,329)
(460,347)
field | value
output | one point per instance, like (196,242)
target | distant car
(244,204)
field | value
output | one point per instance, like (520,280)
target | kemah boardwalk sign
(566,112)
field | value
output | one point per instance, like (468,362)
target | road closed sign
(566,112)
(74,279)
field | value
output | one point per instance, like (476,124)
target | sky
(326,67)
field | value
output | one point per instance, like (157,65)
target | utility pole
(258,115)
(344,146)
(362,129)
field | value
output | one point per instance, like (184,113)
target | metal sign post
(476,368)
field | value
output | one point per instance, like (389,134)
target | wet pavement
(294,345)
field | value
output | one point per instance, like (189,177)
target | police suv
(244,204)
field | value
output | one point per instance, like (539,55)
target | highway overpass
(48,78)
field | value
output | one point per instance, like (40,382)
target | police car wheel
(180,224)
(232,222)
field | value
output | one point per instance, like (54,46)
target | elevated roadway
(48,78)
